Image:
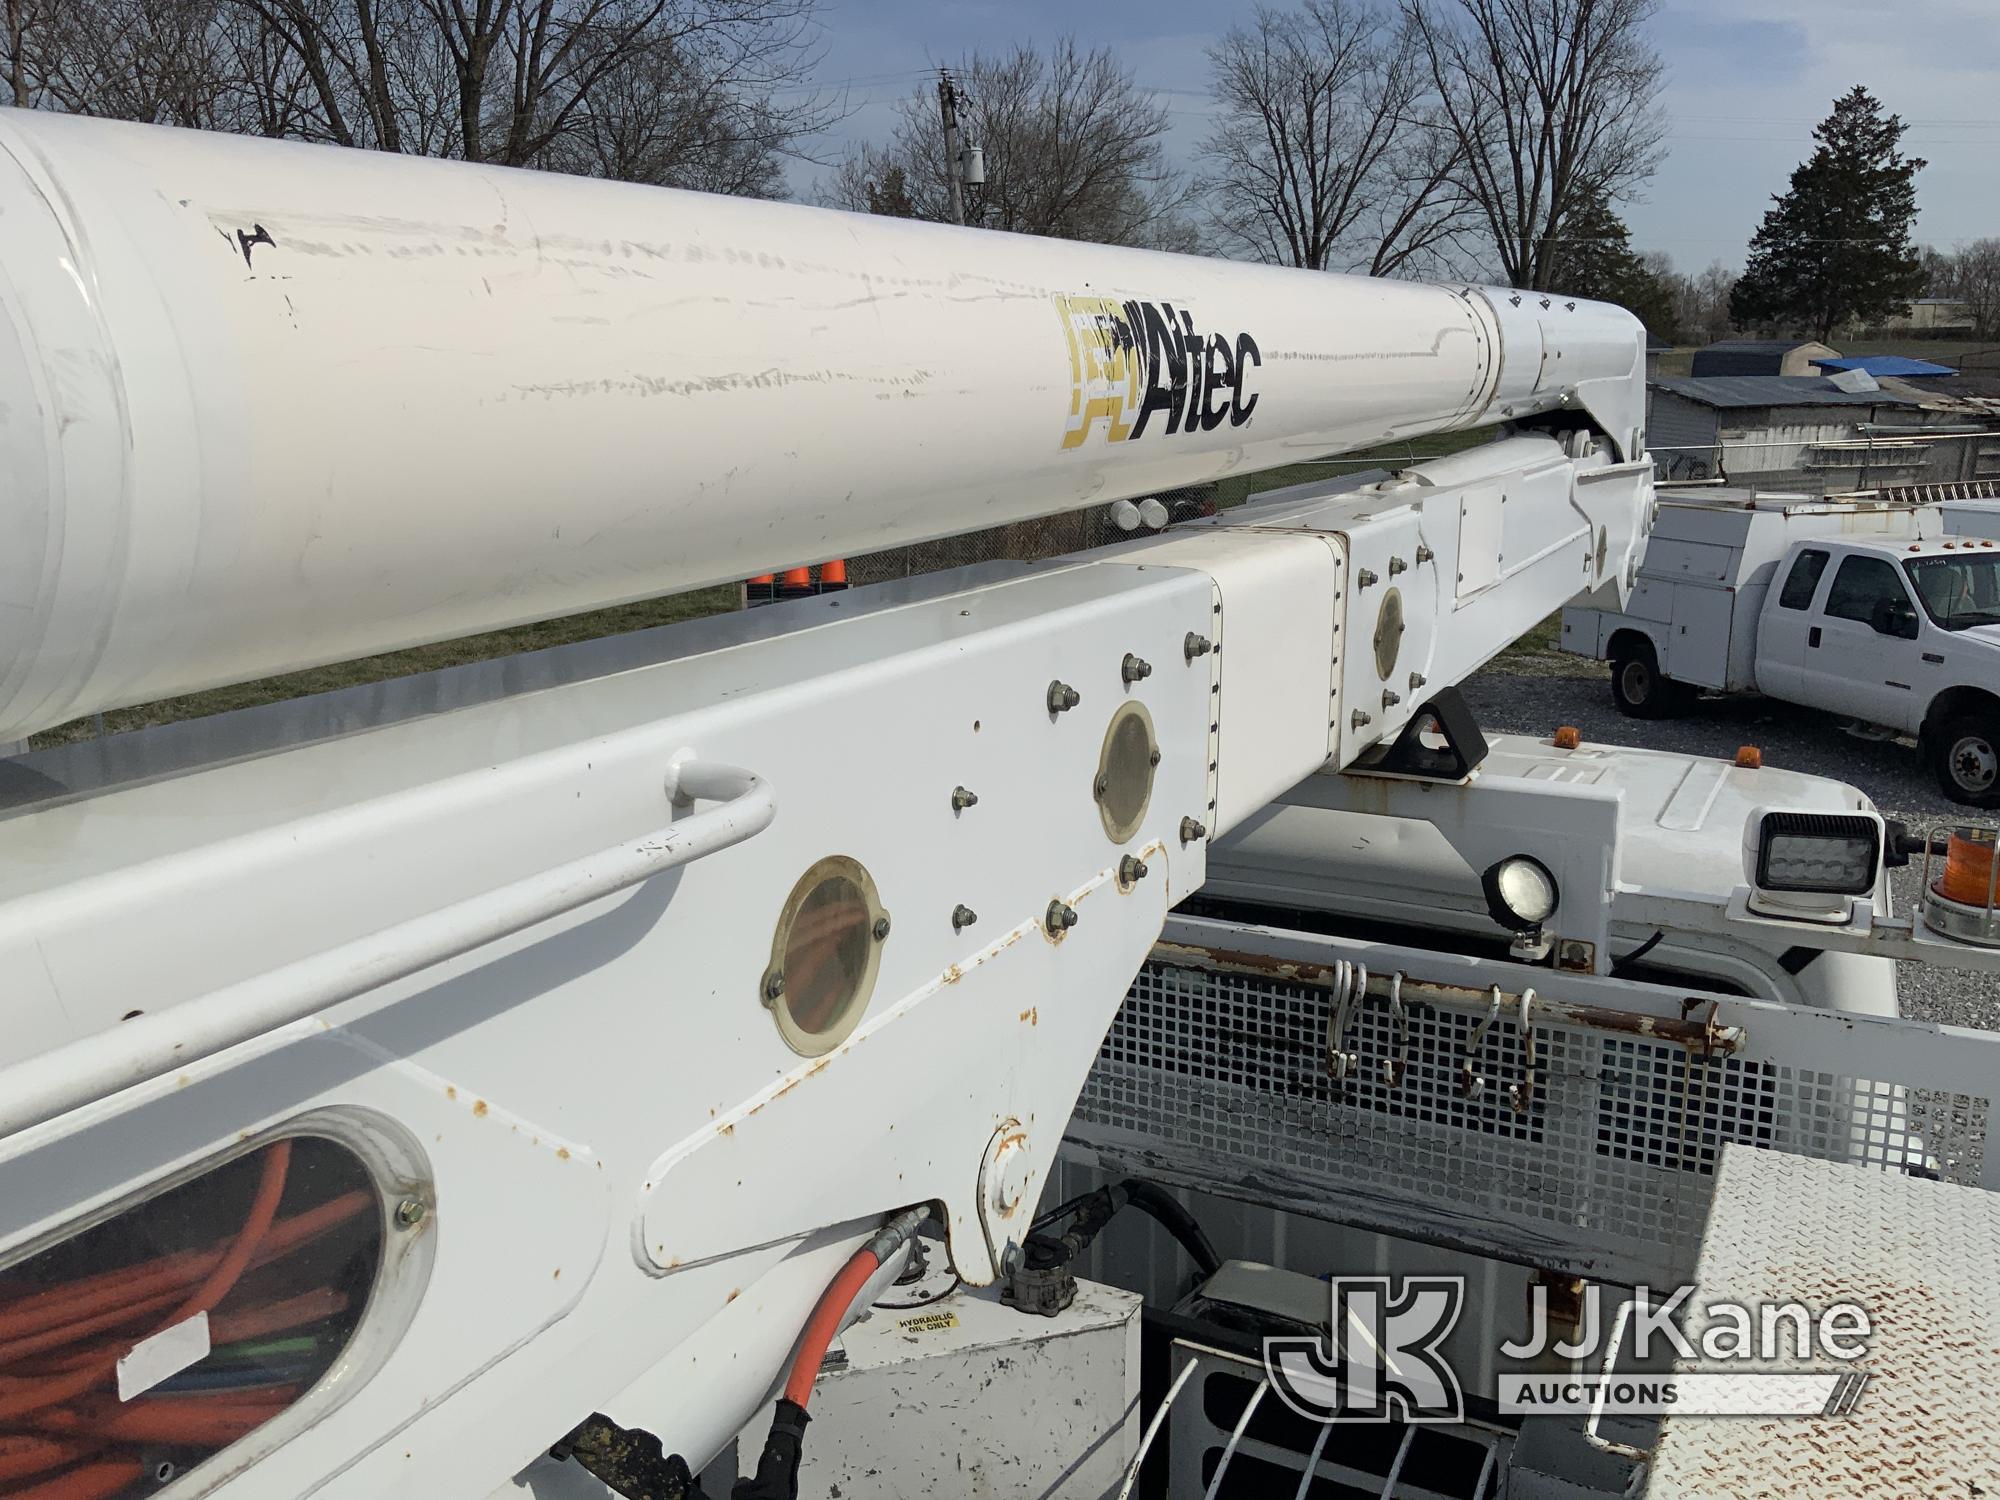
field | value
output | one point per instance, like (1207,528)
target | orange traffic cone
(797,583)
(760,590)
(833,575)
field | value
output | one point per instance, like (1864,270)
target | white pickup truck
(1873,610)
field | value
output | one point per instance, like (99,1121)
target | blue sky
(1747,80)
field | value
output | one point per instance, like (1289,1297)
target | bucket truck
(505,1079)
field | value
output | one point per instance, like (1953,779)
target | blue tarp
(1879,365)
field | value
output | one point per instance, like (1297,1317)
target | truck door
(1781,630)
(1861,649)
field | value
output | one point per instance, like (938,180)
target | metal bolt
(774,984)
(1390,697)
(1063,697)
(1061,916)
(1417,680)
(1192,829)
(1359,719)
(962,917)
(1153,759)
(1424,554)
(881,928)
(1101,788)
(961,799)
(410,1212)
(1397,565)
(1196,645)
(1365,577)
(1131,869)
(1135,669)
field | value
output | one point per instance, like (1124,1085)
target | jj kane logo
(1140,367)
(1384,1358)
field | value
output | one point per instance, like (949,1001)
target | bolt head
(410,1212)
(881,928)
(774,984)
(1192,829)
(962,916)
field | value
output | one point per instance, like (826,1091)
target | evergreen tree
(1594,258)
(1836,247)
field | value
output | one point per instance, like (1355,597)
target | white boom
(267,405)
(584,1011)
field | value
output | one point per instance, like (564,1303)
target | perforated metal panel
(1218,1079)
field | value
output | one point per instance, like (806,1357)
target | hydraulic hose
(838,1297)
(1095,1209)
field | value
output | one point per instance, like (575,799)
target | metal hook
(1471,1082)
(1393,1068)
(1521,1094)
(1338,1061)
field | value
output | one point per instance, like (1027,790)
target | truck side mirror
(1895,617)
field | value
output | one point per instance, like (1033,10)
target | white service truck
(1871,609)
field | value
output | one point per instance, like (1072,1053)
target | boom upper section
(266,405)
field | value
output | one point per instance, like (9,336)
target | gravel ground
(1532,692)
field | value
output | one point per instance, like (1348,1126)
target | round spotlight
(1520,893)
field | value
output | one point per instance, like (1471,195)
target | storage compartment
(136,1348)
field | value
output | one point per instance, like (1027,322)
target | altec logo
(1145,366)
(1780,1359)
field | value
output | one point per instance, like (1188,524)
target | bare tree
(1327,152)
(701,93)
(1552,105)
(1699,303)
(1970,274)
(1074,149)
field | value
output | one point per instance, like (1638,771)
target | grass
(620,620)
(615,621)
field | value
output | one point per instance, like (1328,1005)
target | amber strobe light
(1968,867)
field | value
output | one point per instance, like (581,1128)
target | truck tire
(1965,755)
(1638,688)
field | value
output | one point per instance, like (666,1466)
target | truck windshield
(1958,592)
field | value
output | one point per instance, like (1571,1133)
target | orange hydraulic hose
(239,1323)
(276,1317)
(166,1276)
(14,1350)
(209,1419)
(97,1481)
(23,1454)
(18,1397)
(825,1323)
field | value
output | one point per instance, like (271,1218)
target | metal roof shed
(1760,357)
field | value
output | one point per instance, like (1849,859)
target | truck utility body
(1319,859)
(1872,610)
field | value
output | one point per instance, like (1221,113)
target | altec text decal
(1140,366)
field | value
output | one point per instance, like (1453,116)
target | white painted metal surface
(146,1046)
(351,401)
(1918,1257)
(967,1396)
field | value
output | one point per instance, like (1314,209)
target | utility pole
(948,108)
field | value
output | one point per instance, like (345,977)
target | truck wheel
(1965,754)
(1639,689)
